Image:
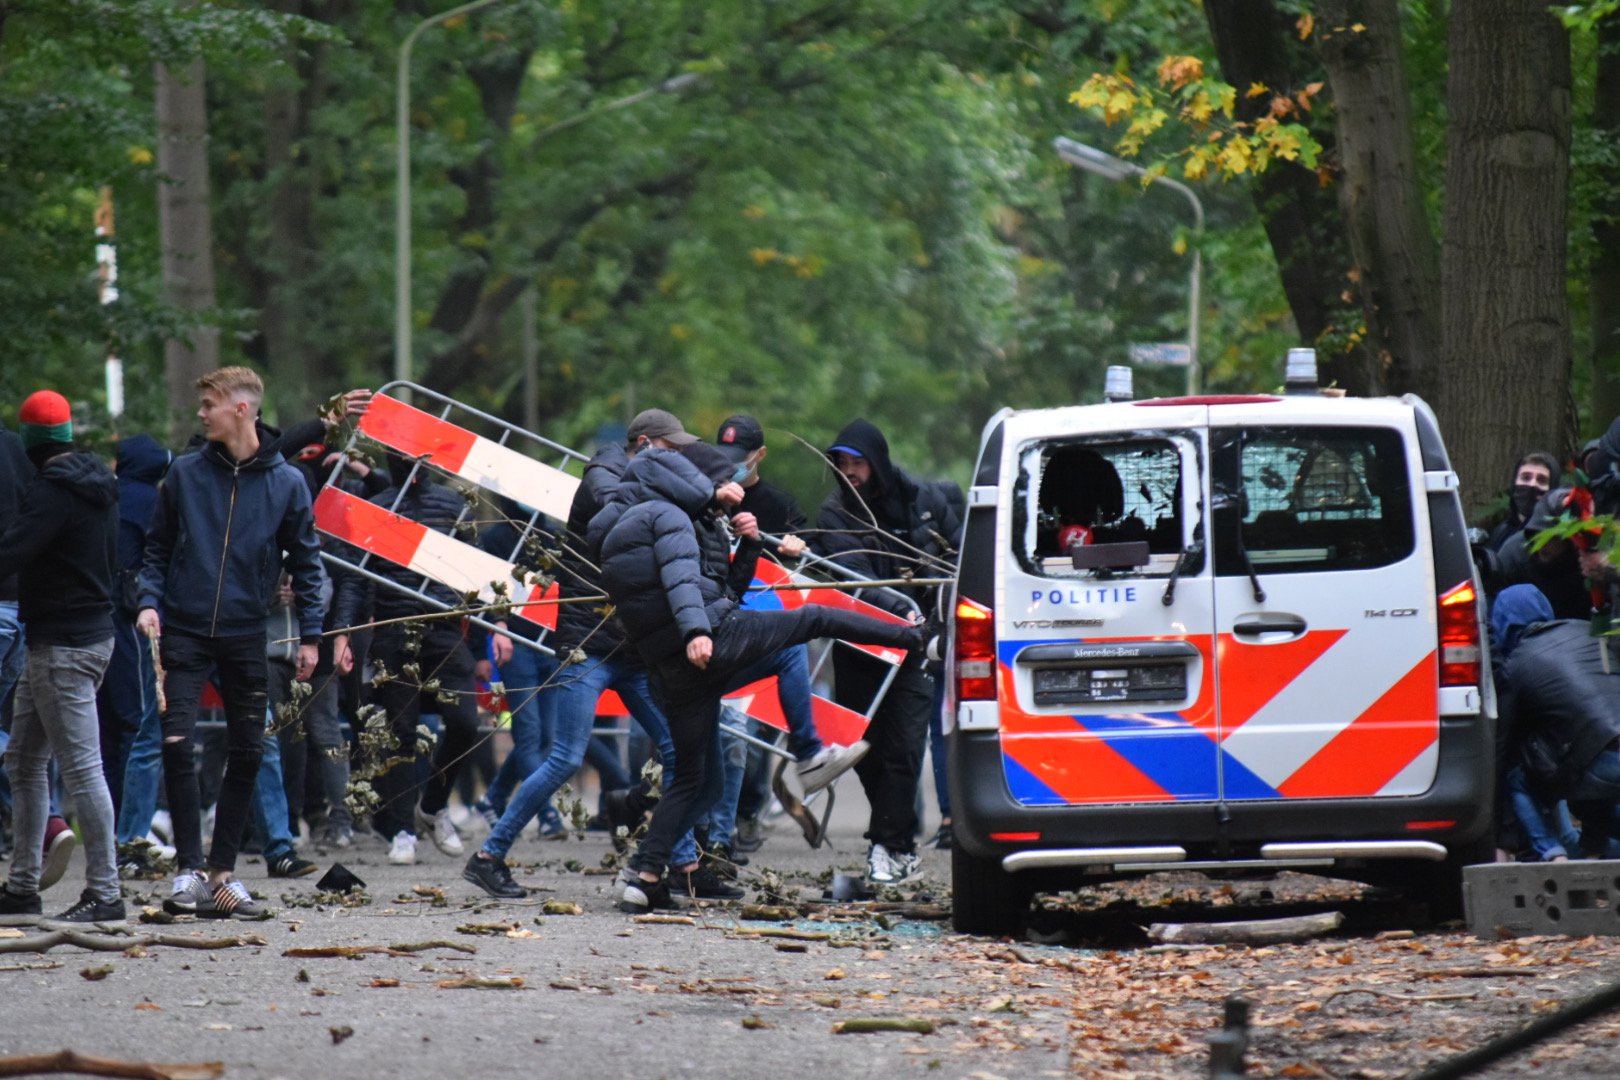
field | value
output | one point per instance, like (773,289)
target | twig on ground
(71,1061)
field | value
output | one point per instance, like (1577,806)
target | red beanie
(45,417)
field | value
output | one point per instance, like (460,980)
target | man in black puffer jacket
(1563,700)
(884,524)
(62,544)
(677,600)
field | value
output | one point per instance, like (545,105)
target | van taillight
(975,652)
(1459,636)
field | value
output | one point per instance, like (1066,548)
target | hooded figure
(1565,695)
(142,463)
(1554,568)
(878,527)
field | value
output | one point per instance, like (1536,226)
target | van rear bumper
(1455,814)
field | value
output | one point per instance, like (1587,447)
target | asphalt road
(600,994)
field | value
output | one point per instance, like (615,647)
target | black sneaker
(943,839)
(290,865)
(623,810)
(493,876)
(728,853)
(18,908)
(640,897)
(89,911)
(705,884)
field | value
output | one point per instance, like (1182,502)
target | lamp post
(1112,168)
(402,186)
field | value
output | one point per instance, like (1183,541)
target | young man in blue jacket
(230,518)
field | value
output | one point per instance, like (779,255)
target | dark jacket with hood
(62,543)
(222,532)
(581,626)
(1563,700)
(653,564)
(874,531)
(1559,578)
(142,463)
(15,472)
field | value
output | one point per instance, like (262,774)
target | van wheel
(1441,884)
(986,899)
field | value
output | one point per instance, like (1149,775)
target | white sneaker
(829,763)
(162,826)
(885,867)
(441,830)
(159,848)
(403,850)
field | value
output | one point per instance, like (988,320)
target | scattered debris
(96,974)
(403,949)
(40,943)
(470,983)
(340,1033)
(667,920)
(70,1061)
(861,1025)
(561,907)
(1248,932)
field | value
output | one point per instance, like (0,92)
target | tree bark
(1397,262)
(185,231)
(1605,281)
(1507,341)
(1256,43)
(290,245)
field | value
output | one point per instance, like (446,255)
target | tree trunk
(1605,283)
(1397,262)
(290,241)
(185,233)
(1507,341)
(1255,43)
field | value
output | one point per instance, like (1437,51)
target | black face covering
(399,468)
(1524,499)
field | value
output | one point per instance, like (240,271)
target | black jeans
(444,656)
(690,698)
(244,684)
(897,735)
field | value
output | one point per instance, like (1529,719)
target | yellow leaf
(1180,246)
(753,213)
(1359,28)
(1197,166)
(762,256)
(1200,108)
(1236,156)
(680,331)
(1256,89)
(140,155)
(1305,24)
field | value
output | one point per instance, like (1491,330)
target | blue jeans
(577,688)
(269,811)
(1548,830)
(533,720)
(143,768)
(13,650)
(1595,798)
(721,819)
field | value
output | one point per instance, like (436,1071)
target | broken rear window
(1099,508)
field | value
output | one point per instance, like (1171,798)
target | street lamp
(1112,168)
(402,187)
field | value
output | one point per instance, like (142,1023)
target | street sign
(1161,354)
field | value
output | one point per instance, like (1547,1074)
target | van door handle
(1269,624)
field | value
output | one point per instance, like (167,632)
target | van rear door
(1325,607)
(1106,693)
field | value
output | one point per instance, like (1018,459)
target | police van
(1217,633)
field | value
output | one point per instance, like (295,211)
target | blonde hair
(234,382)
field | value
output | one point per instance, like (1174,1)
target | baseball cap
(739,436)
(659,424)
(850,450)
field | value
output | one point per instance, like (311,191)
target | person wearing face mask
(742,440)
(1533,477)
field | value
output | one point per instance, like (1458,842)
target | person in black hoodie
(62,543)
(440,649)
(15,470)
(884,524)
(230,518)
(676,596)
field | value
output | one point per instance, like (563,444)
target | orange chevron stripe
(1378,744)
(1251,675)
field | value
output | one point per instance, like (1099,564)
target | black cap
(659,424)
(739,436)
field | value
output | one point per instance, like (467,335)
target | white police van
(1222,633)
